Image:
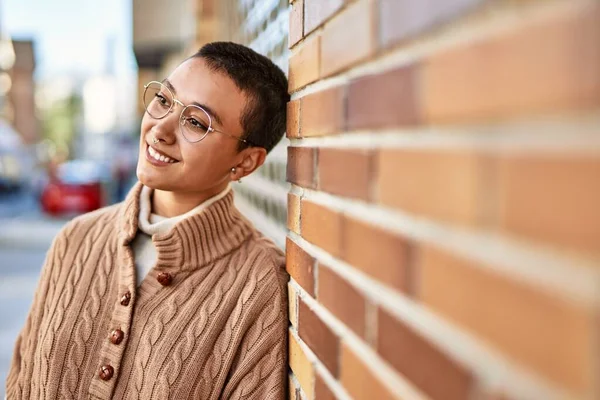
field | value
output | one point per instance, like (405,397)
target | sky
(71,36)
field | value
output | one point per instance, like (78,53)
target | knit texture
(150,224)
(218,331)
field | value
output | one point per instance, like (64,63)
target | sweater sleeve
(259,370)
(20,369)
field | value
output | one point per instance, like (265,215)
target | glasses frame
(183,108)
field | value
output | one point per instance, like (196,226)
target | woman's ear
(252,158)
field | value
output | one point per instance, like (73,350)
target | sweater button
(125,299)
(106,372)
(164,278)
(116,336)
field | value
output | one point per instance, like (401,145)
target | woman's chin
(148,178)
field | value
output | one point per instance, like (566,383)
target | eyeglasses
(194,121)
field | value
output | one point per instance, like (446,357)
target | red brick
(300,266)
(361,382)
(402,19)
(323,112)
(322,391)
(342,299)
(346,172)
(301,166)
(293,220)
(316,12)
(419,361)
(546,66)
(321,226)
(385,100)
(293,119)
(554,199)
(296,22)
(445,185)
(301,366)
(549,335)
(321,340)
(348,38)
(304,64)
(379,253)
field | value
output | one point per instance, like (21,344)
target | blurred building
(442,229)
(21,96)
(7,60)
(162,32)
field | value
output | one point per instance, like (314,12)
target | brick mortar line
(574,279)
(262,222)
(577,134)
(297,190)
(399,385)
(282,19)
(266,188)
(255,11)
(489,22)
(336,387)
(491,368)
(386,374)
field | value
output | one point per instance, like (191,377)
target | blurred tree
(61,120)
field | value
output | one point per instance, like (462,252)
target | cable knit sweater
(209,321)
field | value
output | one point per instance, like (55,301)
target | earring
(233,171)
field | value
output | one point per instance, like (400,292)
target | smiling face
(203,167)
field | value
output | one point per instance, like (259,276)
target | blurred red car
(76,189)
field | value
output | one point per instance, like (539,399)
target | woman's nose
(165,129)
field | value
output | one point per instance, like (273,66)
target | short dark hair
(265,84)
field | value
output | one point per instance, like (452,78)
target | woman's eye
(161,99)
(197,124)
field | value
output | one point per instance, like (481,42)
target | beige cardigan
(209,321)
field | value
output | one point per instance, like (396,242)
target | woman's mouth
(158,158)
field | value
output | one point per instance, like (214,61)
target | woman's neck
(171,204)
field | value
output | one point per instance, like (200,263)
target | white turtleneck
(150,224)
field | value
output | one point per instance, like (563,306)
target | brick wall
(444,210)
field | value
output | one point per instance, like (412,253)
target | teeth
(159,157)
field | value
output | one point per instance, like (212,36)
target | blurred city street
(24,239)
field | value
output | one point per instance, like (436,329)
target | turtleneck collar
(194,240)
(152,224)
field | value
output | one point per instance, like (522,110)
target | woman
(171,294)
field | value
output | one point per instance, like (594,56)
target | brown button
(106,372)
(116,336)
(164,278)
(125,299)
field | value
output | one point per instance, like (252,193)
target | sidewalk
(29,231)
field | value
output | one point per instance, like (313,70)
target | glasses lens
(157,100)
(195,123)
